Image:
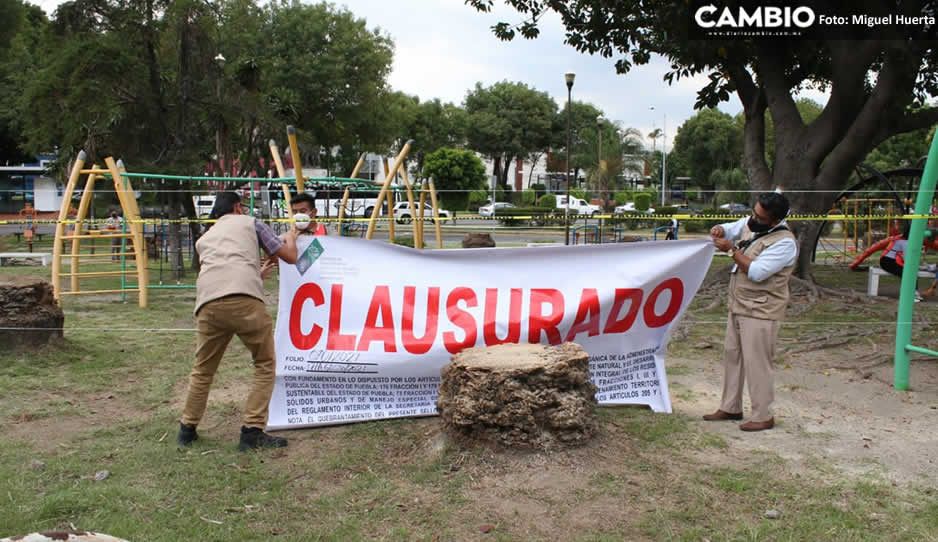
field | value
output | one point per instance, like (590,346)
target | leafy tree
(455,172)
(431,124)
(582,117)
(879,87)
(325,72)
(708,141)
(508,121)
(731,185)
(22,25)
(900,151)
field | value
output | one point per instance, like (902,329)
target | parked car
(493,209)
(629,207)
(402,212)
(736,208)
(578,206)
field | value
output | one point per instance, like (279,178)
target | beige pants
(216,322)
(747,357)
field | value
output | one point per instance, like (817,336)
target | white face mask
(301,220)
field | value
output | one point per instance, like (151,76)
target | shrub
(699,226)
(539,189)
(578,193)
(642,201)
(477,198)
(511,217)
(528,198)
(623,197)
(547,201)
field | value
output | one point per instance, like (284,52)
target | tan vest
(231,264)
(765,300)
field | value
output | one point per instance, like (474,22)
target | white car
(630,208)
(402,212)
(493,208)
(578,206)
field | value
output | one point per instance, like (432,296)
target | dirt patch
(85,414)
(852,419)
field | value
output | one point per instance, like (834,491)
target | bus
(361,202)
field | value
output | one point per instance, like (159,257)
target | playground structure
(923,206)
(132,222)
(869,213)
(133,239)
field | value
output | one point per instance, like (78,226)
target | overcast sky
(443,47)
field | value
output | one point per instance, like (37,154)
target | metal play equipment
(386,191)
(923,204)
(132,231)
(133,251)
(896,184)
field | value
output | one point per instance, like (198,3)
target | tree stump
(478,240)
(30,305)
(519,395)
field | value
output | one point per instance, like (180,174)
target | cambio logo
(759,17)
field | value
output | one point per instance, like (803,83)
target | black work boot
(253,438)
(187,435)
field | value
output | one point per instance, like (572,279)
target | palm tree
(618,157)
(654,135)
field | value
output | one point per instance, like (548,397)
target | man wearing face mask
(764,255)
(303,207)
(230,301)
(304,212)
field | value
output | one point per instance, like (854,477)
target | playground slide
(930,242)
(874,248)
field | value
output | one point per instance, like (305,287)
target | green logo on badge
(309,256)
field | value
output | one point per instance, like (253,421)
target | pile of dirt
(519,395)
(29,314)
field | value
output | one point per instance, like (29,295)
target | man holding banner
(230,301)
(764,259)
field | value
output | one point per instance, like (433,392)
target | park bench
(43,257)
(872,282)
(19,236)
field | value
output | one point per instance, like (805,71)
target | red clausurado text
(546,309)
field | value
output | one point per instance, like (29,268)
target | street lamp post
(599,155)
(569,78)
(664,159)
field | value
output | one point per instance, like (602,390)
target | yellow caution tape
(624,217)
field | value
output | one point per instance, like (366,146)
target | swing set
(134,272)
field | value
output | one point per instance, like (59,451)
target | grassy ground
(106,399)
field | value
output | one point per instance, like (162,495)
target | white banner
(364,327)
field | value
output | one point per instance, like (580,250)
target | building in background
(30,183)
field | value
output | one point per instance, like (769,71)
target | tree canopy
(706,142)
(879,86)
(176,84)
(509,121)
(455,172)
